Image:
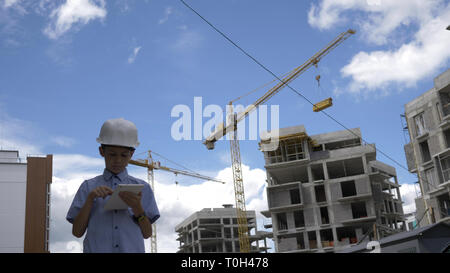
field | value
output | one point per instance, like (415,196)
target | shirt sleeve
(78,202)
(149,204)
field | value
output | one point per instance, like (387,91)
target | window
(274,156)
(419,123)
(348,167)
(445,164)
(445,100)
(299,219)
(346,235)
(348,188)
(425,151)
(293,149)
(320,193)
(295,196)
(300,241)
(324,215)
(317,172)
(359,210)
(312,239)
(317,148)
(227,232)
(282,221)
(228,247)
(326,236)
(447,137)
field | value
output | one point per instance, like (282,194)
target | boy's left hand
(132,200)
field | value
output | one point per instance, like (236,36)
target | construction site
(326,192)
(427,120)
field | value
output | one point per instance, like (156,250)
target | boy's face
(116,158)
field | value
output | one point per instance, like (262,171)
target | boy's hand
(101,191)
(133,201)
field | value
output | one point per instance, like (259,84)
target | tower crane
(231,127)
(156,165)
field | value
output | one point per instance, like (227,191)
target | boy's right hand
(101,191)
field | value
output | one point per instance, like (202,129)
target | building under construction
(327,192)
(216,230)
(428,152)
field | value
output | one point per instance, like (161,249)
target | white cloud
(175,202)
(133,56)
(15,134)
(167,12)
(74,12)
(9,3)
(63,141)
(409,57)
(409,194)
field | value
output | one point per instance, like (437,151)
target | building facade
(328,191)
(216,230)
(13,187)
(428,152)
(24,202)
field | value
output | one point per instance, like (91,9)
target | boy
(114,230)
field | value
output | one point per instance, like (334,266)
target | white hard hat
(118,132)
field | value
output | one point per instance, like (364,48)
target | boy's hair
(105,146)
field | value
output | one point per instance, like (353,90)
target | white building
(24,202)
(13,185)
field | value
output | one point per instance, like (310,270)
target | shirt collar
(107,174)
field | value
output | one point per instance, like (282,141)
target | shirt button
(117,245)
(116,227)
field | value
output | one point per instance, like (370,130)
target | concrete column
(310,177)
(325,171)
(365,165)
(335,237)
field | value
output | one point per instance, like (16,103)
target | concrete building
(216,230)
(411,221)
(328,191)
(24,202)
(428,152)
(433,238)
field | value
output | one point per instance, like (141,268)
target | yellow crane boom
(314,60)
(231,127)
(157,166)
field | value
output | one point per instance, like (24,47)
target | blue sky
(67,66)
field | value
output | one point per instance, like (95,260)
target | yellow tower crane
(156,165)
(231,127)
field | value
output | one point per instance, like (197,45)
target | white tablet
(115,202)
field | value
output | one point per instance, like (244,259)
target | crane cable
(291,88)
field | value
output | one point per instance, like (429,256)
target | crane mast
(151,166)
(231,127)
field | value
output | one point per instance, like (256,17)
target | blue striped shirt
(113,230)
